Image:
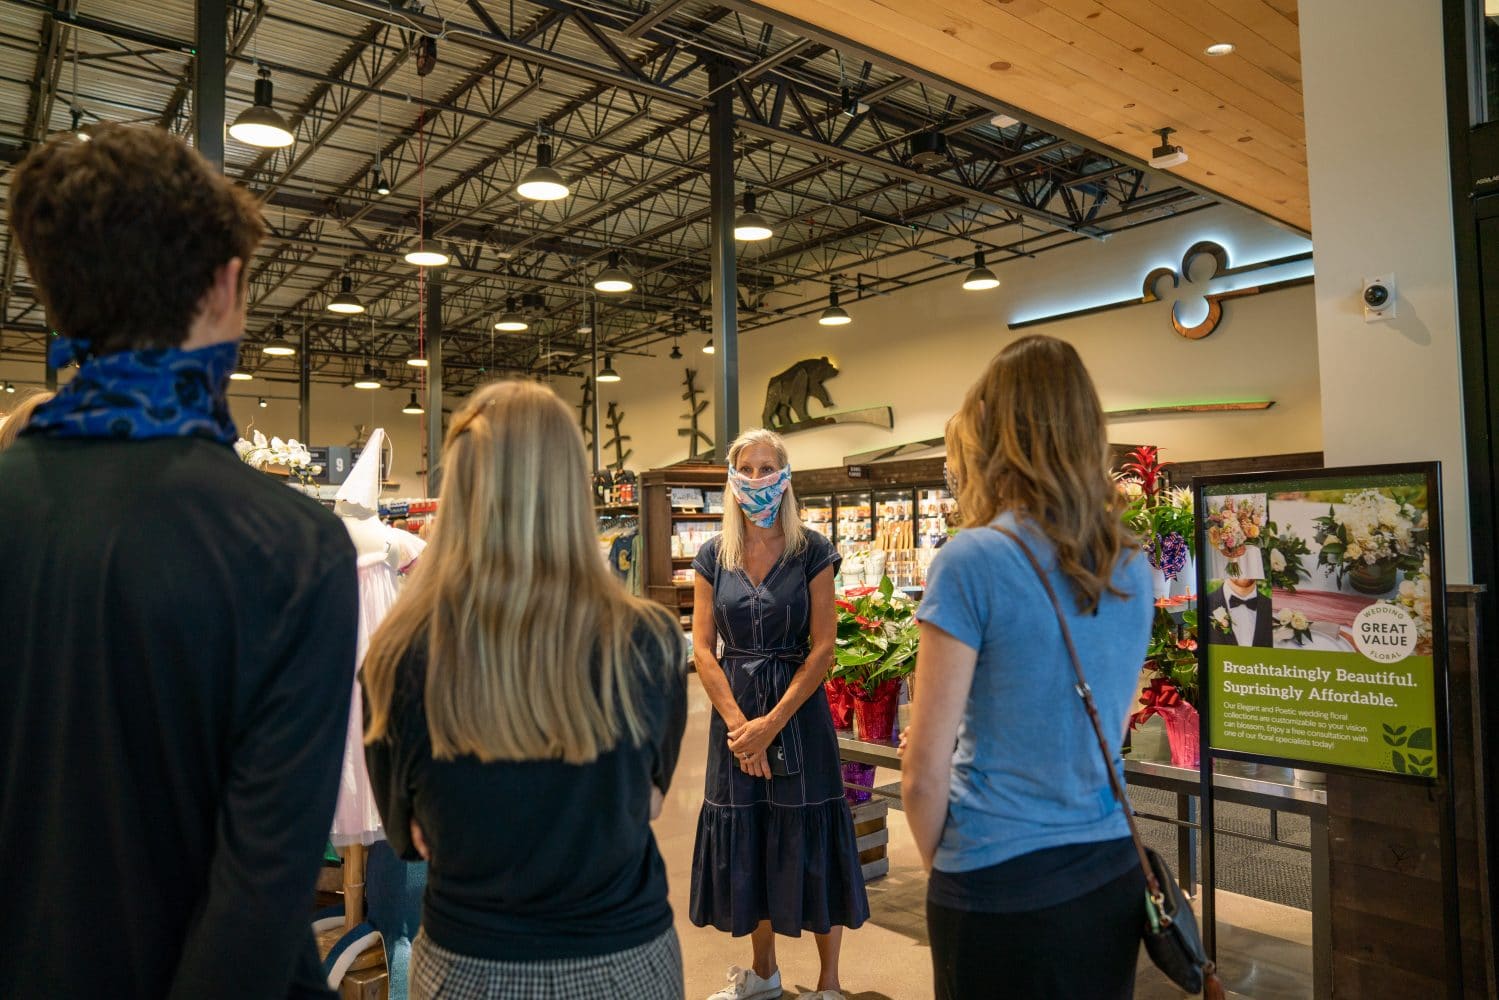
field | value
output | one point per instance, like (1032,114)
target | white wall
(919,349)
(1375,100)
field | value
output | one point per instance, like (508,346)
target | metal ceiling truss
(621,90)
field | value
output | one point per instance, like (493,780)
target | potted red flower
(1172,694)
(875,651)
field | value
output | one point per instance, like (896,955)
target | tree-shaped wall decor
(696,407)
(617,442)
(585,413)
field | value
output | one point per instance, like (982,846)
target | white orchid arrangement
(290,454)
(1292,625)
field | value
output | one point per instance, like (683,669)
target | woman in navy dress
(776,851)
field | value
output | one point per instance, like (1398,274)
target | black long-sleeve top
(533,860)
(176,646)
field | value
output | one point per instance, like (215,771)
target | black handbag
(1171,935)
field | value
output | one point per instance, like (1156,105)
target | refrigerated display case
(855,521)
(936,512)
(817,514)
(895,534)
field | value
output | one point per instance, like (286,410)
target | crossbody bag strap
(1086,694)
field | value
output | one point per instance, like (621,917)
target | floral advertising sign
(1320,612)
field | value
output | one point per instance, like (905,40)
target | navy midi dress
(780,849)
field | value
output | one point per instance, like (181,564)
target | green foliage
(877,636)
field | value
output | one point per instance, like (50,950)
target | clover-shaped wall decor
(1190,291)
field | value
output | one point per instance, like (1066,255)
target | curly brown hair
(123,233)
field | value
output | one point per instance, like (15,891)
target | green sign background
(1285,704)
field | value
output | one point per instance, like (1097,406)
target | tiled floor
(1265,948)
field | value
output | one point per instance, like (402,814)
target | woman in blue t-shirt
(1034,879)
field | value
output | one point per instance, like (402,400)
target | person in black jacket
(1247,612)
(177,629)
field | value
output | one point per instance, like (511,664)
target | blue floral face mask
(760,499)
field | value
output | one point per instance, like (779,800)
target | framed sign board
(1321,619)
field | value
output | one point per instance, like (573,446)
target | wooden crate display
(873,837)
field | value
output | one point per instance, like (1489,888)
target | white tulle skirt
(356,820)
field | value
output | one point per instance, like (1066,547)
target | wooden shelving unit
(658,522)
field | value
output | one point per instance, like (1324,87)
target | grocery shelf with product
(680,510)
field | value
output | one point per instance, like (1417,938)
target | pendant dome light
(279,346)
(412,406)
(378,183)
(238,375)
(613,279)
(751,225)
(417,361)
(346,303)
(708,347)
(980,279)
(512,321)
(260,124)
(427,252)
(368,379)
(541,182)
(263,404)
(834,315)
(609,374)
(676,350)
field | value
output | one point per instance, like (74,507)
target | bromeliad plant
(1161,516)
(877,637)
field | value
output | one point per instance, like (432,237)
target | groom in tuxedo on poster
(1249,612)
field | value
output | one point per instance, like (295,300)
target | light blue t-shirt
(1027,773)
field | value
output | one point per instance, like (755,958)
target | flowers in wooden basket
(1376,533)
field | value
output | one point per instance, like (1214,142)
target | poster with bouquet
(1319,606)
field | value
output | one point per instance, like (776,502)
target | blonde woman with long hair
(1035,884)
(776,852)
(524,719)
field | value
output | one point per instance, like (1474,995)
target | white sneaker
(745,985)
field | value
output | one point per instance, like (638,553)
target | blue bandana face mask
(137,395)
(760,499)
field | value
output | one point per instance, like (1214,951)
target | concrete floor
(1266,949)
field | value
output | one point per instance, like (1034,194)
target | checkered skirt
(652,971)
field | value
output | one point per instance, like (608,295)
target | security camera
(1379,298)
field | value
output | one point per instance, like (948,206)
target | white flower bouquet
(290,455)
(1375,534)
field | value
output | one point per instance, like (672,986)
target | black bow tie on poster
(1249,602)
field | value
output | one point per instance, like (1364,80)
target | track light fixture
(980,278)
(834,314)
(368,379)
(427,252)
(613,280)
(751,225)
(512,321)
(260,124)
(541,182)
(279,346)
(346,303)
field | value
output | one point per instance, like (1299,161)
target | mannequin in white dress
(384,553)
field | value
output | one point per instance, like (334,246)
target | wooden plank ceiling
(1114,71)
